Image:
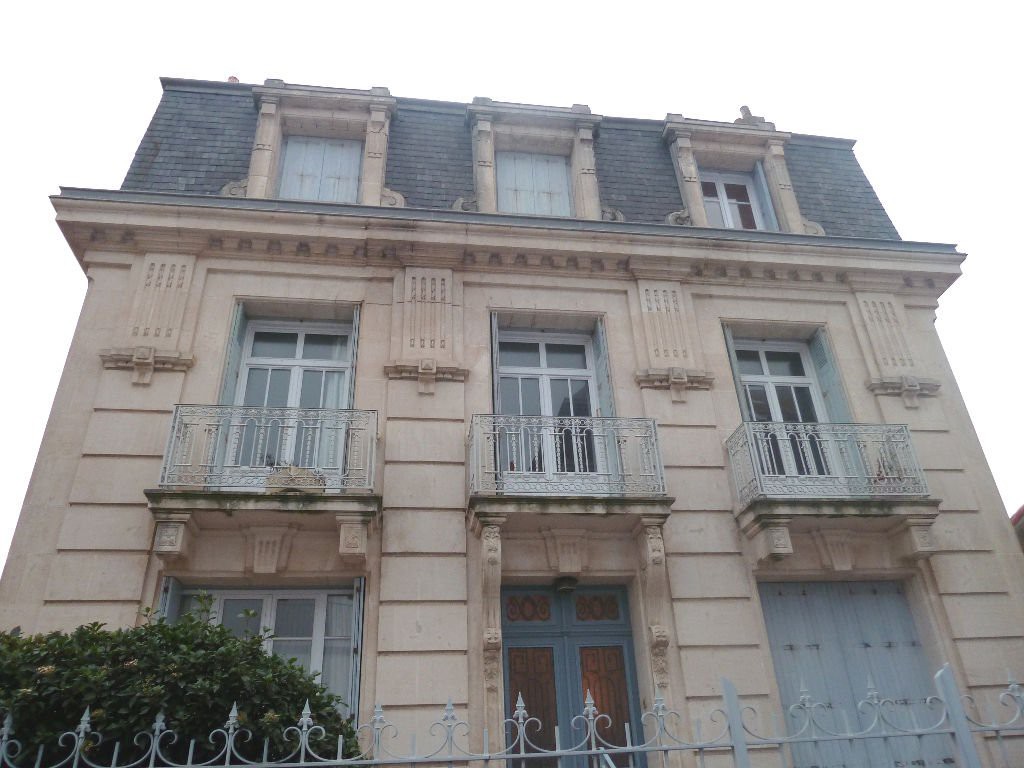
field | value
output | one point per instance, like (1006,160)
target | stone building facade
(468,399)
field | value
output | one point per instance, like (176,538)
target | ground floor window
(320,629)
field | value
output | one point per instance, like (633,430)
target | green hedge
(192,671)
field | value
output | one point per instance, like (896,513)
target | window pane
(806,404)
(737,193)
(560,402)
(339,616)
(709,189)
(270,344)
(337,666)
(294,617)
(714,212)
(531,396)
(325,346)
(334,390)
(277,392)
(784,363)
(566,356)
(581,398)
(508,391)
(294,649)
(787,403)
(757,399)
(742,216)
(256,387)
(749,362)
(312,384)
(521,354)
(242,615)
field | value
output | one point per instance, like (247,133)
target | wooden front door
(558,646)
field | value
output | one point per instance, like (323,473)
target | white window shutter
(530,183)
(836,408)
(321,169)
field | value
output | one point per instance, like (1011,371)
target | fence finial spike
(805,695)
(872,690)
(158,722)
(589,710)
(520,715)
(306,719)
(85,723)
(232,716)
(8,727)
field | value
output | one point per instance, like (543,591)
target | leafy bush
(192,671)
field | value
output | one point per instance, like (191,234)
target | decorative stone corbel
(490,550)
(389,198)
(567,550)
(835,549)
(143,361)
(910,388)
(353,532)
(466,204)
(680,218)
(813,227)
(236,188)
(772,542)
(611,214)
(676,380)
(268,547)
(427,372)
(173,536)
(915,540)
(659,639)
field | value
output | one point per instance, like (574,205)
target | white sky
(929,90)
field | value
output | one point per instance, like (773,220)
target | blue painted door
(835,639)
(560,645)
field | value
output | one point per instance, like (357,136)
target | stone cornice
(133,222)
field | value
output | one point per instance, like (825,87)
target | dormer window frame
(287,111)
(567,132)
(754,149)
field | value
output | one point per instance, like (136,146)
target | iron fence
(231,447)
(948,730)
(786,460)
(564,456)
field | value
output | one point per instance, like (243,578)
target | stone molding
(910,388)
(676,380)
(143,362)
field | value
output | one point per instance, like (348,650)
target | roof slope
(201,137)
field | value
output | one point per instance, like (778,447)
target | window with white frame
(778,382)
(317,628)
(533,183)
(320,169)
(735,201)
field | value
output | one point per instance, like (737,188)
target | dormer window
(321,169)
(532,183)
(734,201)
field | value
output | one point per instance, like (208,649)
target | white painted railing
(232,447)
(783,460)
(564,456)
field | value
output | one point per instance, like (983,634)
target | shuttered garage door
(832,637)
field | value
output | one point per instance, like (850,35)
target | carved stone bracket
(772,542)
(490,551)
(144,361)
(427,372)
(813,227)
(389,198)
(910,388)
(268,547)
(173,535)
(654,580)
(680,218)
(611,214)
(353,532)
(676,380)
(466,204)
(567,550)
(235,188)
(915,540)
(659,639)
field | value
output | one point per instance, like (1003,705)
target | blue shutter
(353,345)
(358,593)
(495,382)
(321,169)
(170,599)
(836,409)
(602,370)
(764,198)
(531,183)
(730,347)
(831,638)
(233,356)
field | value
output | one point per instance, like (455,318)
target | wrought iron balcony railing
(239,448)
(783,460)
(564,456)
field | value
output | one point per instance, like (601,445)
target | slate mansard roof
(201,137)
